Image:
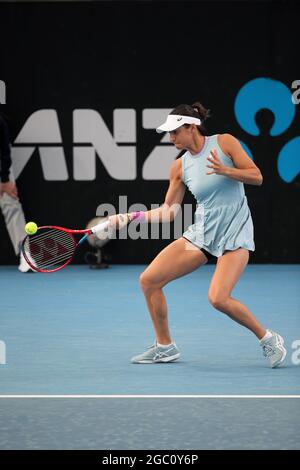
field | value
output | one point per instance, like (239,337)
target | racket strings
(43,263)
(50,249)
(45,233)
(49,262)
(59,244)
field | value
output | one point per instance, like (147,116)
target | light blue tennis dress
(222,219)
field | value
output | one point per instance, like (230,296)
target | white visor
(175,120)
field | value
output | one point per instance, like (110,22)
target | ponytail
(202,112)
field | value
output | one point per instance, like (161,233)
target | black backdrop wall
(68,66)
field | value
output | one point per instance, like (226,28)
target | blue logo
(265,93)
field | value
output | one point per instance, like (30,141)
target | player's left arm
(244,169)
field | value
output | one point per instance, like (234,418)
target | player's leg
(15,221)
(176,260)
(228,270)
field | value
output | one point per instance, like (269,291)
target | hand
(216,165)
(118,221)
(9,188)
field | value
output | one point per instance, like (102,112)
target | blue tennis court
(69,337)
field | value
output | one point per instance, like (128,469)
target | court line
(150,396)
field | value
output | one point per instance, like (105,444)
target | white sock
(164,346)
(267,336)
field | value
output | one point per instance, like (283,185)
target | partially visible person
(9,201)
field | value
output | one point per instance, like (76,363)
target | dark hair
(195,110)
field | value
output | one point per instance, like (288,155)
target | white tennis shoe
(24,266)
(155,354)
(274,350)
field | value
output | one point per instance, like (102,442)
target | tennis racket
(52,248)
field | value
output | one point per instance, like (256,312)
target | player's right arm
(173,199)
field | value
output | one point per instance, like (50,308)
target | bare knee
(218,300)
(148,282)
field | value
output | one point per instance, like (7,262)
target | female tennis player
(214,168)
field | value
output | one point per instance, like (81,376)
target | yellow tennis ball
(31,228)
